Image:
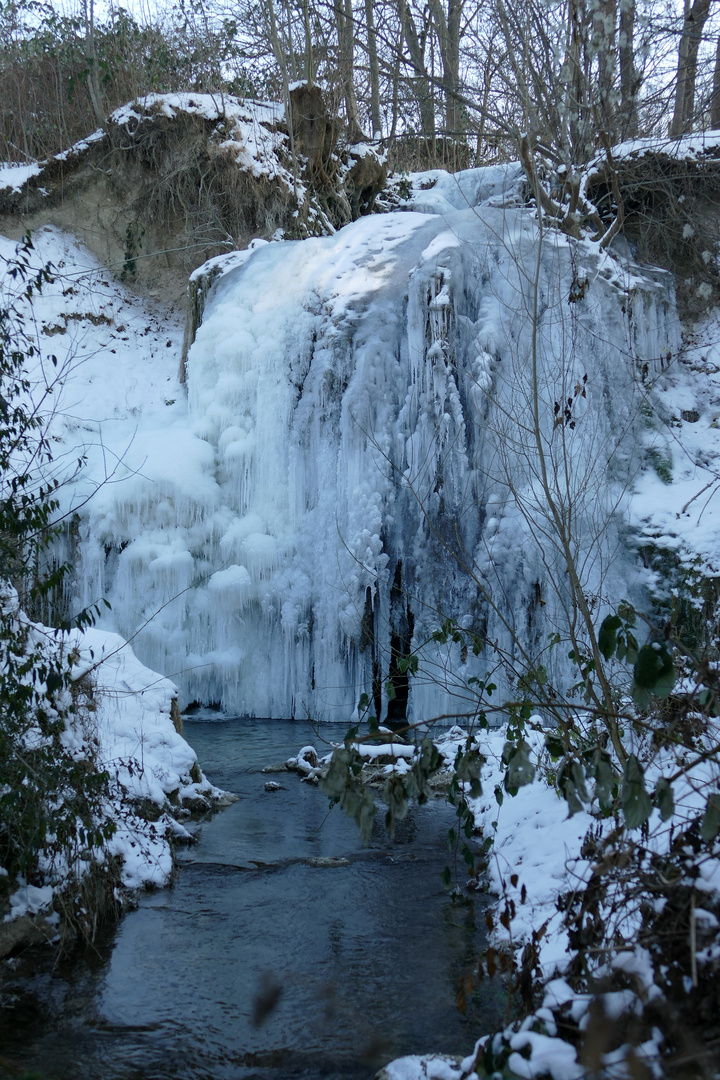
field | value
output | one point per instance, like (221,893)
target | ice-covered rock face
(366,415)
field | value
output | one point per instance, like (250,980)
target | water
(260,961)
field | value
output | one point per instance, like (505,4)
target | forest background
(448,82)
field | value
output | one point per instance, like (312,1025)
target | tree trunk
(576,87)
(93,78)
(396,85)
(309,65)
(715,104)
(448,34)
(375,117)
(422,84)
(693,25)
(345,22)
(604,45)
(628,75)
(279,54)
(293,68)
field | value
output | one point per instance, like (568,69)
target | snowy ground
(676,505)
(113,391)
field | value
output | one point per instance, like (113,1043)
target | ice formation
(358,460)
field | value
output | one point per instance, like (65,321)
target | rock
(365,179)
(305,762)
(327,862)
(27,930)
(272,786)
(425,1067)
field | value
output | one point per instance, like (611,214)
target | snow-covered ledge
(129,728)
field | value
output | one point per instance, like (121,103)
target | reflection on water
(284,949)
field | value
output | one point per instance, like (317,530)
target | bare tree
(628,72)
(447,29)
(345,21)
(372,51)
(420,79)
(696,16)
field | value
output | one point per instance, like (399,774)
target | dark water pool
(260,961)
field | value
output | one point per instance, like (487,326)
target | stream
(284,949)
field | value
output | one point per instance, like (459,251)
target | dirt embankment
(173,180)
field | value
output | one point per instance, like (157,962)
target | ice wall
(360,461)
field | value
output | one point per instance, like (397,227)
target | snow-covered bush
(52,797)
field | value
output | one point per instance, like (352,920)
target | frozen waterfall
(359,461)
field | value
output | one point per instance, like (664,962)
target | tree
(696,16)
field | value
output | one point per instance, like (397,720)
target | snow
(250,129)
(429,1067)
(688,147)
(134,740)
(393,750)
(81,146)
(536,838)
(535,859)
(440,192)
(29,900)
(547,1054)
(677,510)
(15,175)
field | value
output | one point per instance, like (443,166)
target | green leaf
(604,776)
(555,746)
(571,781)
(396,799)
(607,638)
(665,683)
(633,648)
(351,734)
(664,798)
(710,824)
(359,805)
(469,766)
(430,758)
(520,769)
(636,802)
(642,698)
(336,779)
(53,682)
(654,673)
(654,665)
